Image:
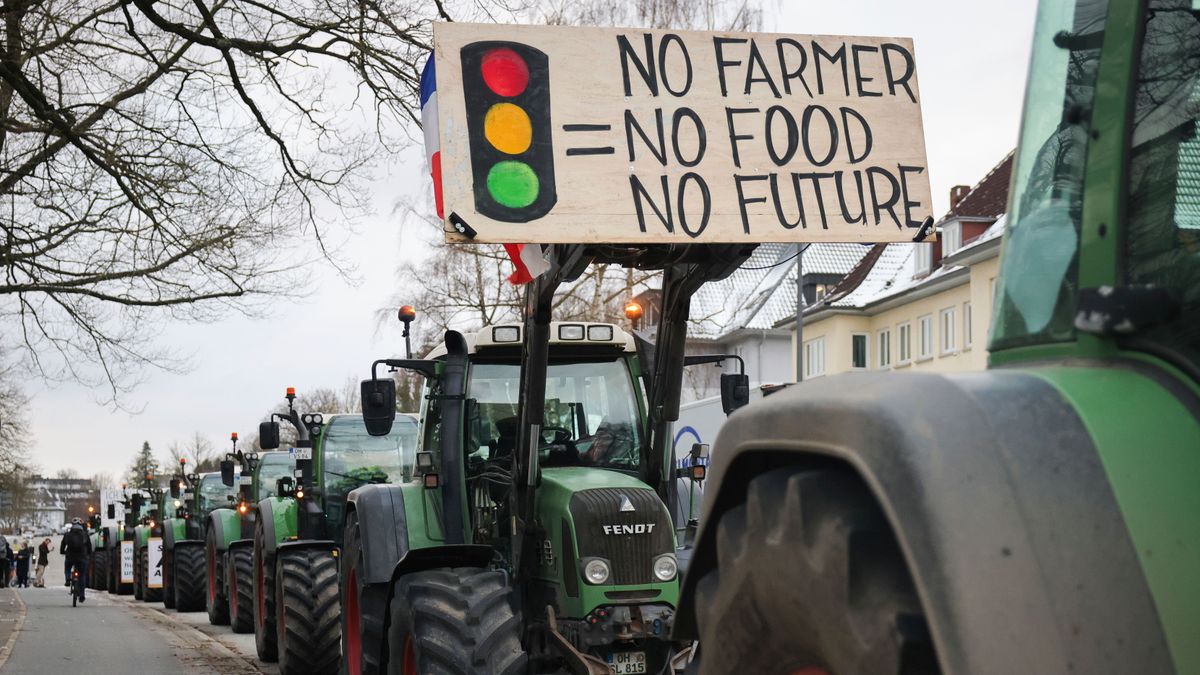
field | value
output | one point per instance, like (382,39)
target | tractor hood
(588,514)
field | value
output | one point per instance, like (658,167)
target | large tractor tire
(810,579)
(241,589)
(364,609)
(99,570)
(169,578)
(264,599)
(148,594)
(454,622)
(216,602)
(189,578)
(114,571)
(308,622)
(138,588)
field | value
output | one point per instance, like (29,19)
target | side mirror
(112,511)
(138,500)
(175,489)
(735,391)
(227,472)
(378,405)
(268,435)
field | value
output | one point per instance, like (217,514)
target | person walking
(5,555)
(43,560)
(23,556)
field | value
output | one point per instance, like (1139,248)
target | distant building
(740,315)
(48,502)
(924,306)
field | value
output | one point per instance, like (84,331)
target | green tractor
(121,541)
(98,561)
(515,547)
(184,569)
(147,546)
(229,546)
(303,549)
(1042,516)
(291,517)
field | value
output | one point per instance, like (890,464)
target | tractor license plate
(626,663)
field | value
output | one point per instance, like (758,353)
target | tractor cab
(210,494)
(603,569)
(347,457)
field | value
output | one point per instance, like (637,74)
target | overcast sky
(972,60)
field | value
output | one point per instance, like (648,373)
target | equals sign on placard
(599,150)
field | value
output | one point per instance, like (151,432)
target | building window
(968,338)
(814,358)
(924,259)
(951,238)
(885,348)
(820,291)
(904,333)
(925,337)
(949,346)
(858,350)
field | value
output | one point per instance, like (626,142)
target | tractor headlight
(665,567)
(596,571)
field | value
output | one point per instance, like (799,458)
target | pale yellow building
(925,306)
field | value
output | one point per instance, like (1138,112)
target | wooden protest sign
(552,134)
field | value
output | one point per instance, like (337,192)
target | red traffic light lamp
(509,131)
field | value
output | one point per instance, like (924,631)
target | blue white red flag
(429,122)
(526,258)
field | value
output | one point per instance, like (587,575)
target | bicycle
(76,586)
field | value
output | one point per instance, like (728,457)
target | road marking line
(12,637)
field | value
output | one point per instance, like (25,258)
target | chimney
(957,193)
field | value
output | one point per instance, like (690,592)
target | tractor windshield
(1036,302)
(214,494)
(271,467)
(351,457)
(591,414)
(1163,218)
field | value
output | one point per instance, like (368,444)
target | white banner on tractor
(155,554)
(555,134)
(127,562)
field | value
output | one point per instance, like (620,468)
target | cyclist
(76,546)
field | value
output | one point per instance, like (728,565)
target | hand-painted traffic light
(507,91)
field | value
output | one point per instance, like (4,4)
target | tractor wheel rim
(353,644)
(410,658)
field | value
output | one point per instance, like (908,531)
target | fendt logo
(640,528)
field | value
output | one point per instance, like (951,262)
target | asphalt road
(40,633)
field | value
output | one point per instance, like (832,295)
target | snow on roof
(893,273)
(763,291)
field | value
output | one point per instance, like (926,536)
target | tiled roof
(889,269)
(989,197)
(763,290)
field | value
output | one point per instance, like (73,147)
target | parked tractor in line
(308,523)
(501,555)
(288,513)
(184,568)
(1042,516)
(229,547)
